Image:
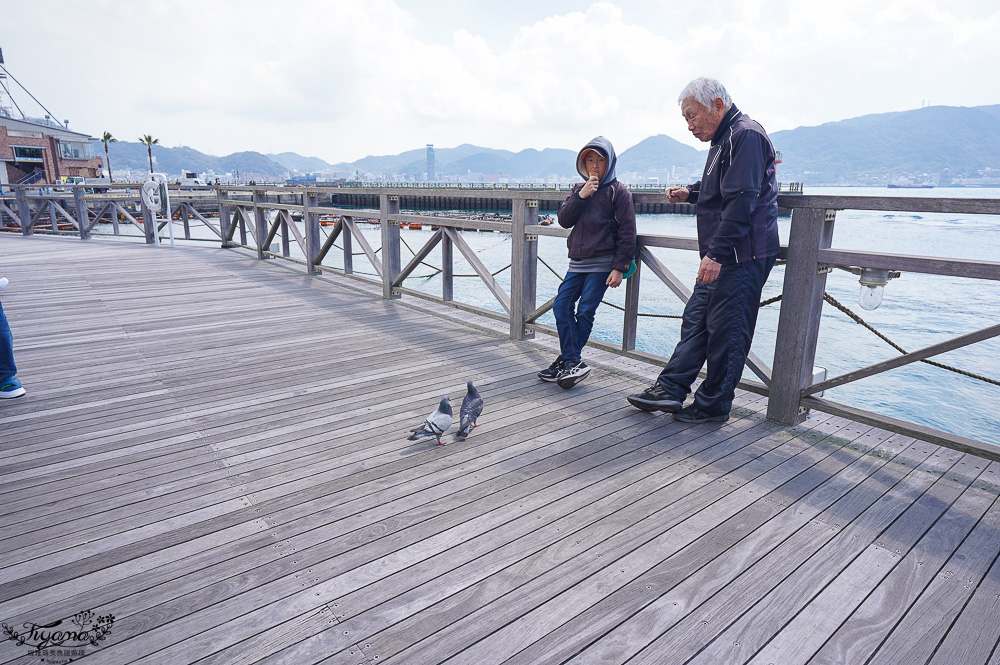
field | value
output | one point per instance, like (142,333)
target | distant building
(431,174)
(39,152)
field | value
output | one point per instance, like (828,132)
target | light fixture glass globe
(871,296)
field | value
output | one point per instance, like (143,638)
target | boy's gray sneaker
(551,373)
(572,375)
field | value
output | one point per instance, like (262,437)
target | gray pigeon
(472,406)
(436,424)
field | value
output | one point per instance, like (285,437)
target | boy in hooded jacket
(601,249)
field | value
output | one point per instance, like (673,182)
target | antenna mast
(5,97)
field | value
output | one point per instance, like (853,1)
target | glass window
(27,154)
(75,150)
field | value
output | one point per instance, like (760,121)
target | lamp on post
(873,281)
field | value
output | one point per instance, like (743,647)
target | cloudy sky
(342,79)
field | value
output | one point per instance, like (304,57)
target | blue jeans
(7,367)
(574,321)
(717,328)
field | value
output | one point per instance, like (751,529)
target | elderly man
(738,242)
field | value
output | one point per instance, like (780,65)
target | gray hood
(603,145)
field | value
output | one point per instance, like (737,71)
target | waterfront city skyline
(342,80)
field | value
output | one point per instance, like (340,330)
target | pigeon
(472,406)
(436,424)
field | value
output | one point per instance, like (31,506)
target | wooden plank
(976,632)
(857,578)
(154,479)
(953,441)
(453,222)
(862,622)
(928,620)
(894,203)
(845,510)
(668,543)
(930,265)
(292,584)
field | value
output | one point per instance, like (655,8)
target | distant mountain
(933,143)
(941,141)
(126,154)
(296,162)
(466,159)
(660,152)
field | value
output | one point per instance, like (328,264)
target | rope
(652,316)
(833,301)
(772,300)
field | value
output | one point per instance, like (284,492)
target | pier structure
(213,451)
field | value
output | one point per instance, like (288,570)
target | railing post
(223,216)
(260,224)
(389,205)
(310,200)
(241,225)
(447,269)
(631,323)
(285,244)
(801,309)
(347,239)
(148,224)
(523,266)
(185,220)
(24,210)
(53,217)
(82,219)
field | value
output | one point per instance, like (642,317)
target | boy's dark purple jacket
(737,196)
(604,222)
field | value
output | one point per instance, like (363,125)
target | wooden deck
(213,450)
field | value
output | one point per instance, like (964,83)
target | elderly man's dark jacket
(737,197)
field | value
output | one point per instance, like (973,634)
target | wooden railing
(809,256)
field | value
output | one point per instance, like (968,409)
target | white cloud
(344,78)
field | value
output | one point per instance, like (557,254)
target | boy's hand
(614,279)
(678,194)
(589,187)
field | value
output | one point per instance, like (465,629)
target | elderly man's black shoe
(693,414)
(654,398)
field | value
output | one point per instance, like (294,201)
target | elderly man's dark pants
(718,326)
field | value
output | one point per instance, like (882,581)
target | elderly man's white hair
(705,91)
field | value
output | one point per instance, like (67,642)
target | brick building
(49,153)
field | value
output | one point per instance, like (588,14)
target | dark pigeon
(472,406)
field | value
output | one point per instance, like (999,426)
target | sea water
(917,310)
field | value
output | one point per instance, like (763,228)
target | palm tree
(149,142)
(106,139)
